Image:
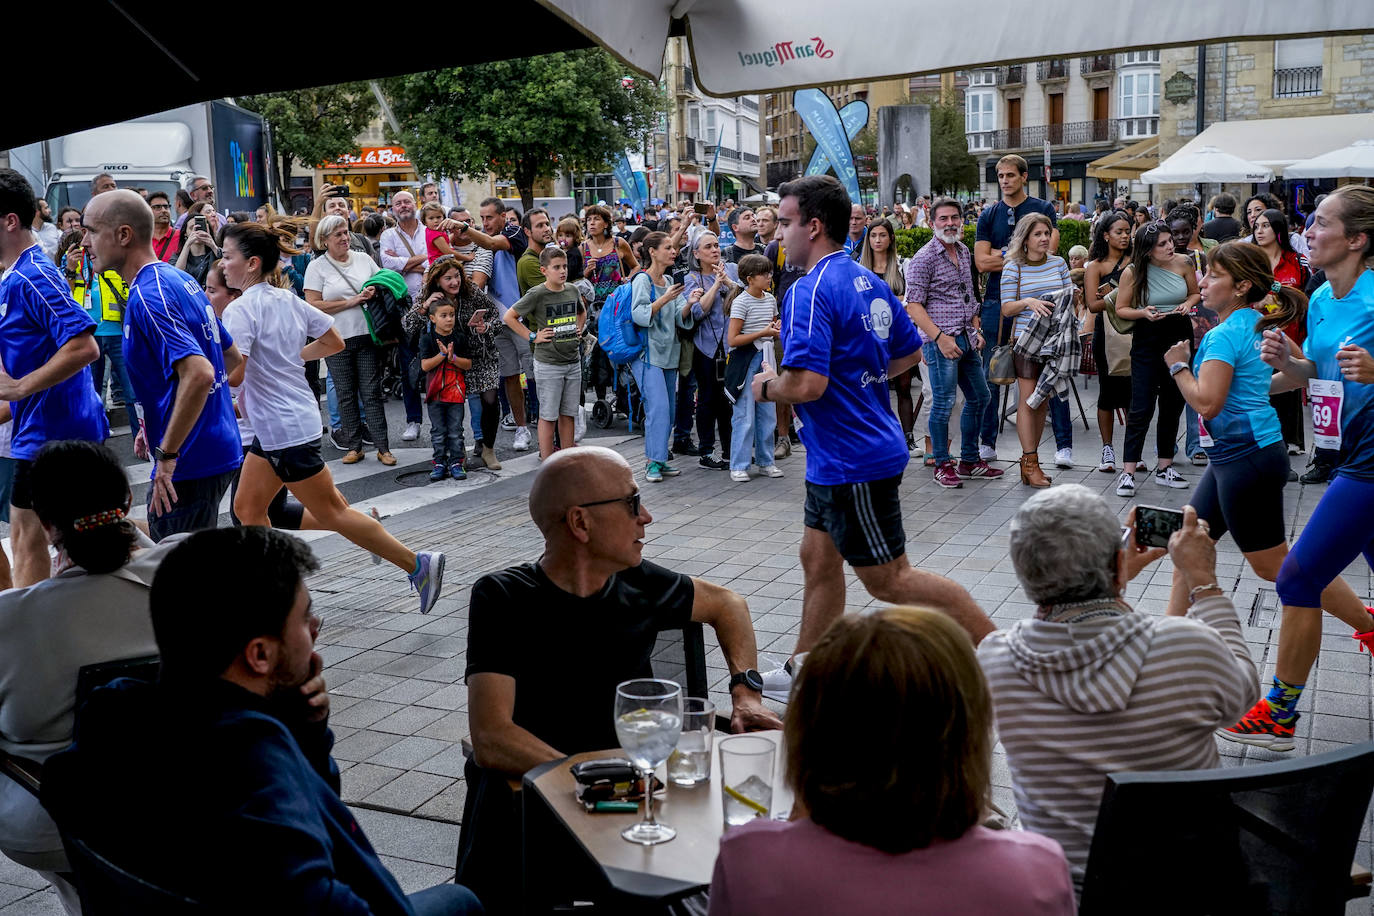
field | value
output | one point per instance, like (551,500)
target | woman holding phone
(659,307)
(1336,366)
(446,281)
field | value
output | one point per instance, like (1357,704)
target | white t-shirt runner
(270,326)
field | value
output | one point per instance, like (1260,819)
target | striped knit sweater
(1075,702)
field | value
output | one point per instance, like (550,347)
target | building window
(1298,67)
(978,111)
(694,121)
(1139,104)
(982,77)
(1130,58)
(710,125)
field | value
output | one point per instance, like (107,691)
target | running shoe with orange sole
(1259,729)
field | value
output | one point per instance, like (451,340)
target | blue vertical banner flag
(818,113)
(711,179)
(854,117)
(632,182)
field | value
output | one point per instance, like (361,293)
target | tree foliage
(314,125)
(951,166)
(524,119)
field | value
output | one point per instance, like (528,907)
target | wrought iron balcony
(1098,63)
(1075,133)
(1013,75)
(1297,82)
(1057,69)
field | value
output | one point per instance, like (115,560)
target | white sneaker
(987,453)
(579,423)
(1063,458)
(739,476)
(770,470)
(522,439)
(1108,464)
(1170,477)
(412,432)
(777,682)
(1125,484)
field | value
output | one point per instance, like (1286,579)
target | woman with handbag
(716,279)
(1108,258)
(1157,291)
(277,332)
(334,285)
(1030,276)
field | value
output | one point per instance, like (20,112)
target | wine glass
(648,722)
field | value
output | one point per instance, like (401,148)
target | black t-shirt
(566,653)
(731,254)
(1222,229)
(518,240)
(430,341)
(996,225)
(783,277)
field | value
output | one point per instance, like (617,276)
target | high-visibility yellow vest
(111,289)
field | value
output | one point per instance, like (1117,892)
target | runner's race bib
(1326,397)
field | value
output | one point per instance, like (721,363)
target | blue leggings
(1341,528)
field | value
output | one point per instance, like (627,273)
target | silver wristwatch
(1176,368)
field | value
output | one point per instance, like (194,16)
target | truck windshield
(78,193)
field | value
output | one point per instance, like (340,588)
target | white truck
(217,139)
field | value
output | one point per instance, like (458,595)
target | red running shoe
(1366,638)
(1259,729)
(972,470)
(946,476)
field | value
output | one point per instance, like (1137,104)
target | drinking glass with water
(746,778)
(690,763)
(648,723)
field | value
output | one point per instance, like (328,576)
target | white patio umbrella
(1353,161)
(1206,164)
(740,47)
(763,197)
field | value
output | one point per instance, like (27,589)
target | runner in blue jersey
(1338,370)
(844,334)
(178,355)
(47,344)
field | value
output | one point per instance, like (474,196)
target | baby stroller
(622,399)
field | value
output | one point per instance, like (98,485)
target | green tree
(313,125)
(524,119)
(951,166)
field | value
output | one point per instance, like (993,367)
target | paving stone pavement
(399,708)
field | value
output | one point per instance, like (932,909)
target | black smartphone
(1154,525)
(202,224)
(339,191)
(703,209)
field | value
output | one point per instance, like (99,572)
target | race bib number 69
(1326,397)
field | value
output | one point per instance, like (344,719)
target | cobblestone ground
(400,706)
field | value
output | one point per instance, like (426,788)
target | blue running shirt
(1247,421)
(168,319)
(842,321)
(1331,323)
(37,317)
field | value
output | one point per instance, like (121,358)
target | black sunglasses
(632,501)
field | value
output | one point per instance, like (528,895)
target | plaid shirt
(945,290)
(1052,339)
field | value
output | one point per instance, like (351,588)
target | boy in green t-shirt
(554,312)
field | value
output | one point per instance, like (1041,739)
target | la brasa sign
(372,156)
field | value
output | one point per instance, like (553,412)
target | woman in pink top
(889,754)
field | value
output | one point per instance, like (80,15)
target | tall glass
(690,764)
(746,778)
(648,722)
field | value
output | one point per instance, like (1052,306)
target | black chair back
(680,655)
(89,677)
(1273,838)
(108,890)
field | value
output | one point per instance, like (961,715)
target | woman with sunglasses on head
(1157,291)
(1108,257)
(1336,366)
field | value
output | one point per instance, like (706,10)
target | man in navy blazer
(217,782)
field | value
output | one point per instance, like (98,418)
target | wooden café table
(586,849)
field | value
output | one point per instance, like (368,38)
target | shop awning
(1280,142)
(1128,163)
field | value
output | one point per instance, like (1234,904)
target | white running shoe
(1108,465)
(777,682)
(740,476)
(987,453)
(412,432)
(1125,484)
(579,423)
(522,439)
(1063,458)
(1170,477)
(770,470)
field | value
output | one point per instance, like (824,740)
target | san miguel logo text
(784,51)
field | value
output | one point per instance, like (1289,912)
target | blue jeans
(1192,438)
(445,900)
(1061,421)
(112,348)
(475,416)
(446,431)
(947,376)
(658,388)
(992,326)
(752,420)
(410,395)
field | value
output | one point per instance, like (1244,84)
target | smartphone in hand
(1155,524)
(478,317)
